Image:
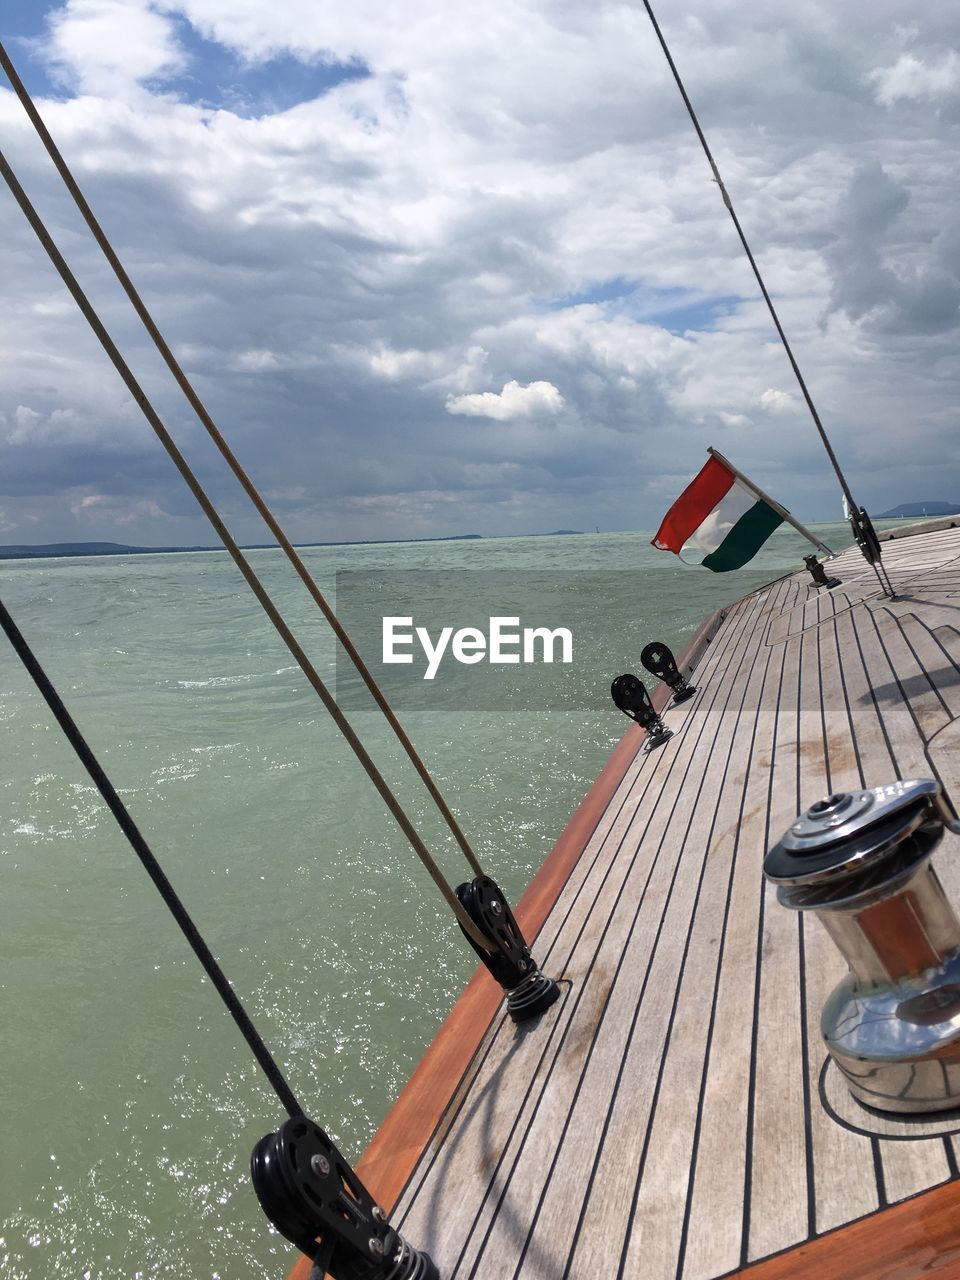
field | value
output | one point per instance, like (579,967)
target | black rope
(753,263)
(151,866)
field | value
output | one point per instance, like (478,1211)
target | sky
(440,269)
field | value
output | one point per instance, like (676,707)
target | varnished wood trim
(916,1238)
(397,1145)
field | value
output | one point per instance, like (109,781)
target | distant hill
(14,551)
(26,552)
(920,509)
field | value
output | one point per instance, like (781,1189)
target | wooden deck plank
(500,1139)
(662,1192)
(939,666)
(595,861)
(779,1191)
(634,915)
(688,955)
(715,1236)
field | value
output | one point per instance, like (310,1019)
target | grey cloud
(896,298)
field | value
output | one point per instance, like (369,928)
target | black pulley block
(657,658)
(529,991)
(313,1197)
(630,695)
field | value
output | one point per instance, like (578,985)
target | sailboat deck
(673,1115)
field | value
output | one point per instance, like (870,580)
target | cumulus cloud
(106,46)
(514,401)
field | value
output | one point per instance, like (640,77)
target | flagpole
(772,502)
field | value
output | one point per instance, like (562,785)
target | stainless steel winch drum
(861,861)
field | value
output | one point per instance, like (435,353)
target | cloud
(886,289)
(25,419)
(912,78)
(514,401)
(778,401)
(120,510)
(106,46)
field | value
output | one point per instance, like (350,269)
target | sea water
(130,1102)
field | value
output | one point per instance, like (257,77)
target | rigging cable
(239,559)
(855,516)
(232,461)
(150,864)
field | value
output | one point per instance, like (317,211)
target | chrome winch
(861,861)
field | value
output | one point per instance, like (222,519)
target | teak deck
(673,1114)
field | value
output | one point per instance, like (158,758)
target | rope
(756,270)
(227,453)
(236,554)
(150,865)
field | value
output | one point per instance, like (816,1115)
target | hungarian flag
(718,521)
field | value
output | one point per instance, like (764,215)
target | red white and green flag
(719,520)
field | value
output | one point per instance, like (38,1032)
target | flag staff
(772,502)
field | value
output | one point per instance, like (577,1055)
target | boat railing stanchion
(528,990)
(630,695)
(316,1201)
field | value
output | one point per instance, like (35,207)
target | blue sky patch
(23,23)
(216,77)
(600,291)
(675,309)
(697,314)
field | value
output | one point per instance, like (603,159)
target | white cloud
(256,361)
(121,511)
(778,401)
(910,77)
(105,46)
(393,365)
(514,401)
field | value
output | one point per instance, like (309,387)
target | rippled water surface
(130,1104)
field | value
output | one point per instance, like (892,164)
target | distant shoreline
(66,550)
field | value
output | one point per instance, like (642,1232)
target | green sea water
(130,1104)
